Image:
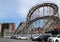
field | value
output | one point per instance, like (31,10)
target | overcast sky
(16,10)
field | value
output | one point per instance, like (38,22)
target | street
(13,40)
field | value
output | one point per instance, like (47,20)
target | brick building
(7,29)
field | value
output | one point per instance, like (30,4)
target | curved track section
(45,17)
(52,5)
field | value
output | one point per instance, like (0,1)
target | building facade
(7,29)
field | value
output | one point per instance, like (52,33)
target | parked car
(54,39)
(45,37)
(24,38)
(18,37)
(35,38)
(40,38)
(13,37)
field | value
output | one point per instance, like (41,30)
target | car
(39,38)
(50,39)
(24,38)
(54,39)
(18,37)
(13,37)
(45,37)
(9,37)
(35,38)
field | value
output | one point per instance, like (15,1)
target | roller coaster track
(46,17)
(52,5)
(49,18)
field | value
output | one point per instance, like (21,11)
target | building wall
(0,27)
(7,31)
(11,29)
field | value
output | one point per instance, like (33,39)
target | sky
(16,10)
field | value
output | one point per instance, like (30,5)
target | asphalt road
(13,40)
